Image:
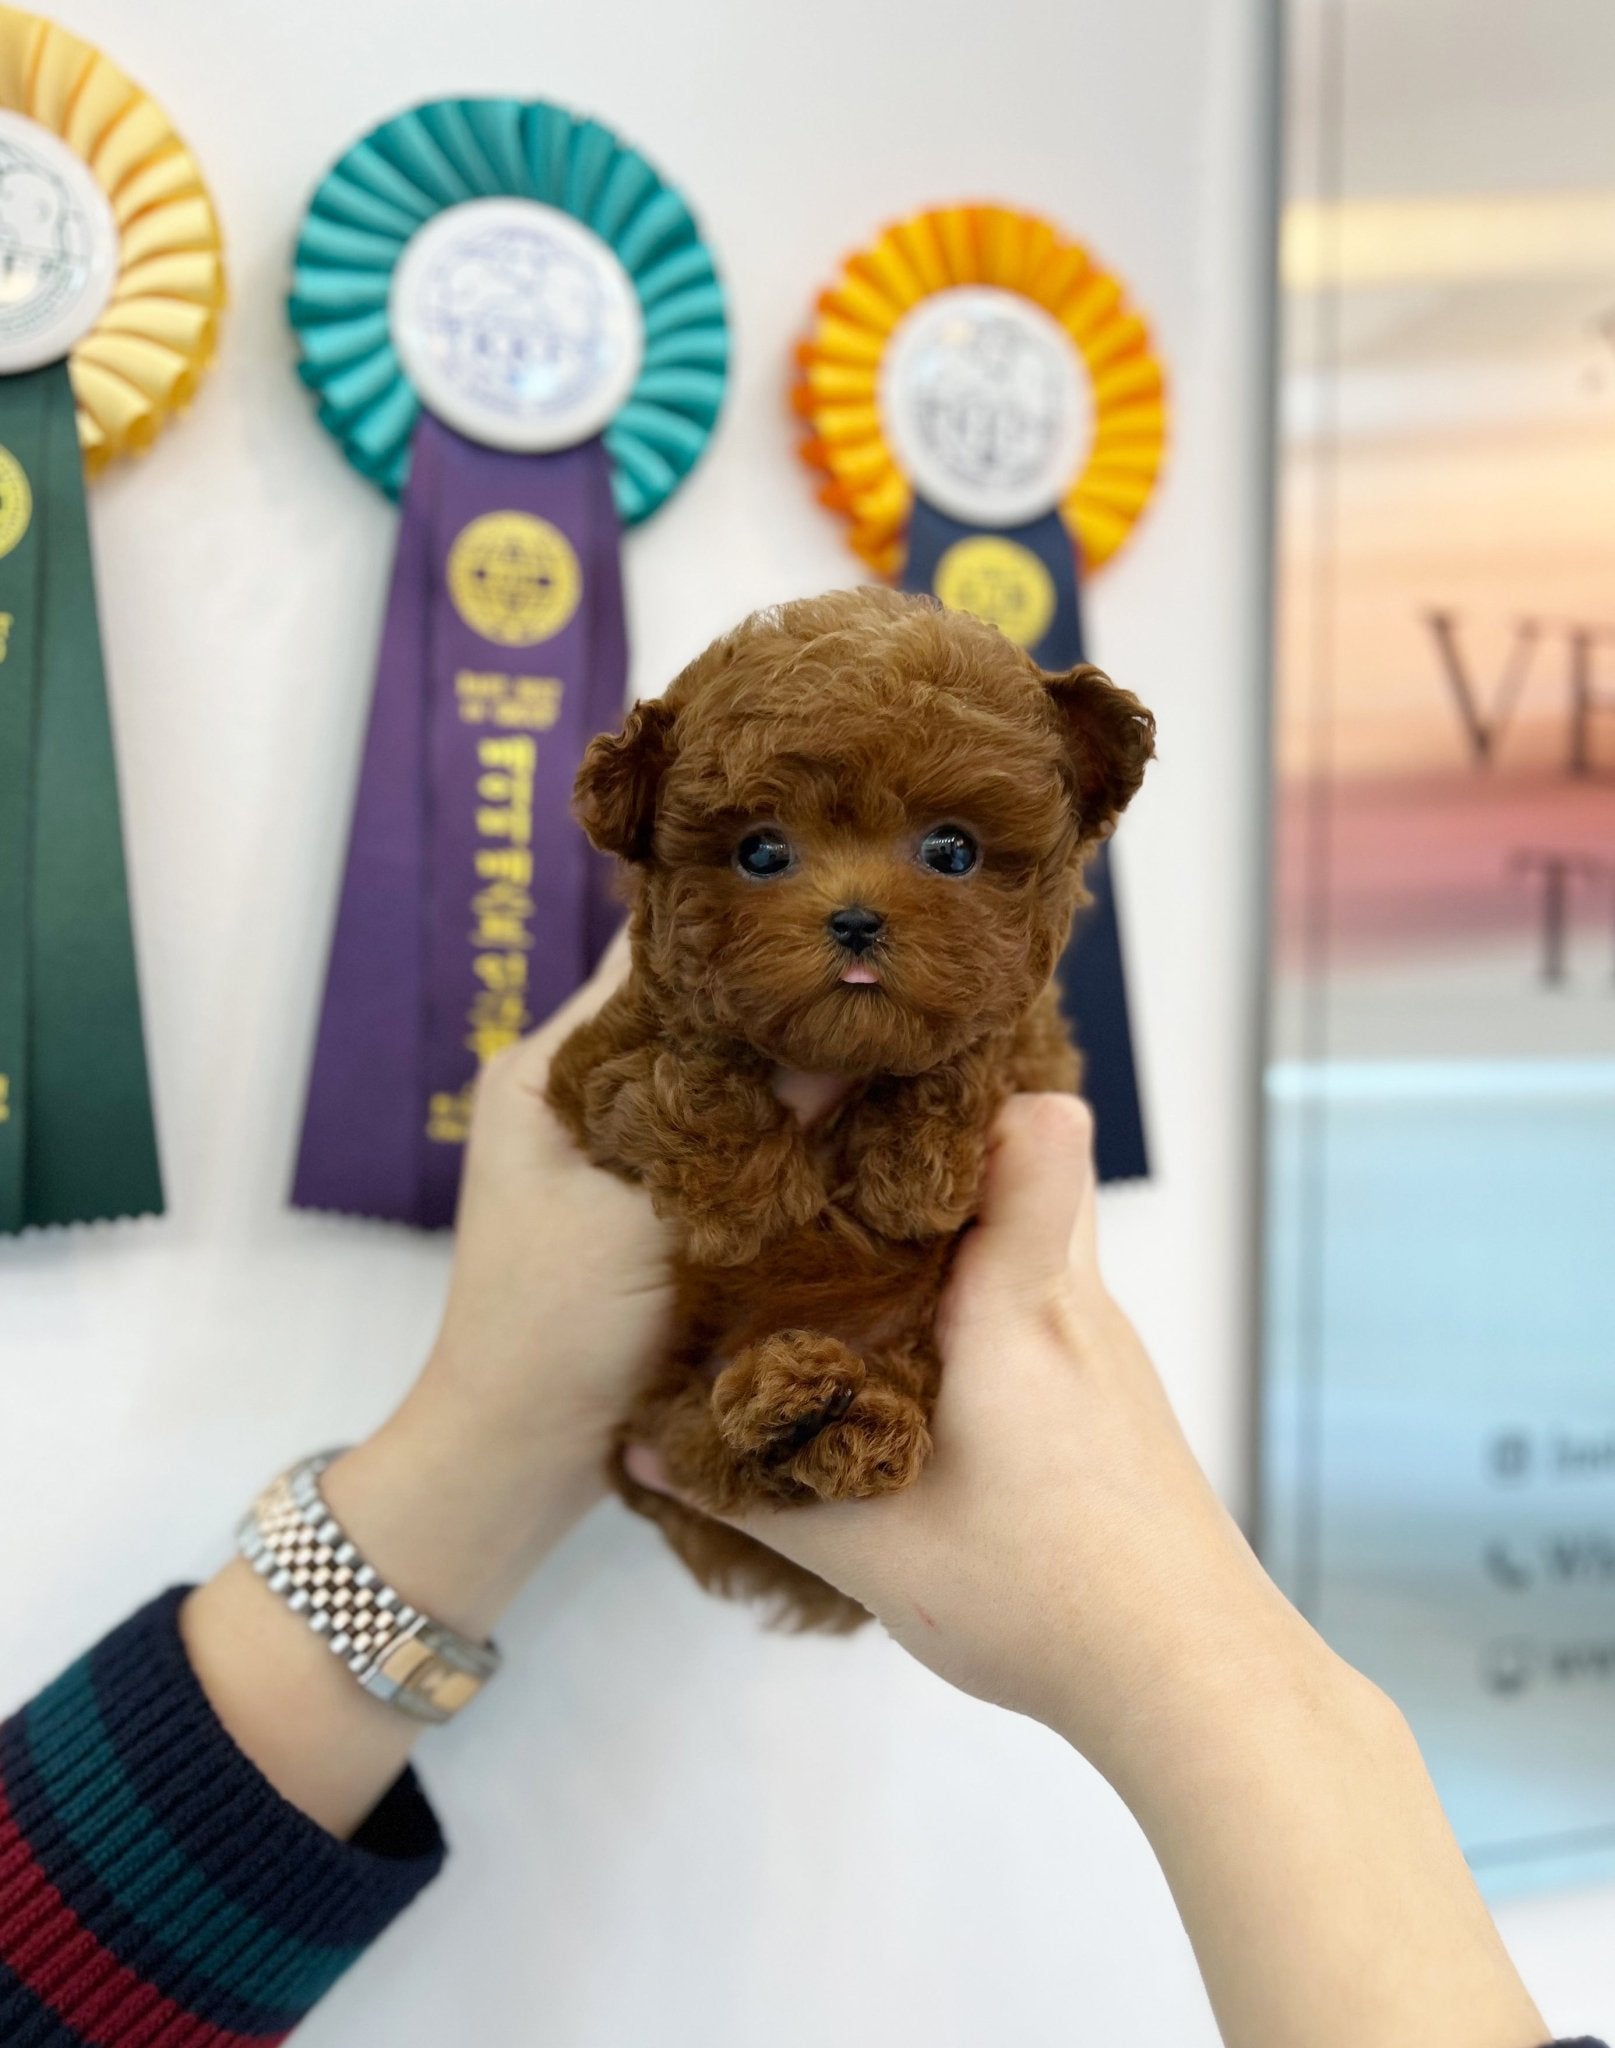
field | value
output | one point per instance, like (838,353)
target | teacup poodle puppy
(855,830)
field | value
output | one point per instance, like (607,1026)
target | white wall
(671,1829)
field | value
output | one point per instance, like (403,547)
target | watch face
(516,325)
(984,403)
(58,246)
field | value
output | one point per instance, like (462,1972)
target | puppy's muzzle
(855,928)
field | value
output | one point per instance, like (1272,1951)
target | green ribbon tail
(77,1141)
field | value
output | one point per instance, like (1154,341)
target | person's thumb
(1037,1197)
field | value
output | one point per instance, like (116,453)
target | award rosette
(512,322)
(112,282)
(987,414)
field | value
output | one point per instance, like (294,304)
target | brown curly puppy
(855,828)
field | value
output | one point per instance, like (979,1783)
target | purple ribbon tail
(608,627)
(471,904)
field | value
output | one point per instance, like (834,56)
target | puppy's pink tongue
(860,975)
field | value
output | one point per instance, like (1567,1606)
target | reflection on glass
(1439,1409)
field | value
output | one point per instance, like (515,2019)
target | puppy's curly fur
(848,727)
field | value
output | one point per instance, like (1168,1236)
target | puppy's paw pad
(879,1446)
(777,1395)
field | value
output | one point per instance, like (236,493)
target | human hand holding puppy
(854,831)
(559,1301)
(1063,1554)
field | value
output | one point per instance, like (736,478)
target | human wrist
(1185,1696)
(1267,1697)
(1318,1878)
(457,1504)
(500,1406)
(452,1503)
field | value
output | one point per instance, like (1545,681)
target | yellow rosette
(837,388)
(114,279)
(143,357)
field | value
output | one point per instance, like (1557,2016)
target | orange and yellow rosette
(141,361)
(985,410)
(836,390)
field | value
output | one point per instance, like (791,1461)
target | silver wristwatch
(294,1544)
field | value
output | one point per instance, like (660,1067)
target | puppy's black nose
(855,928)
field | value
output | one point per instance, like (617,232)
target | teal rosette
(442,154)
(511,324)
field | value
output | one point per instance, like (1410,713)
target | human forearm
(1315,1871)
(455,1505)
(558,1301)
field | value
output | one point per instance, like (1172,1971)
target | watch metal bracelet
(296,1546)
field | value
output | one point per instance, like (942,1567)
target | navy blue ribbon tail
(1092,975)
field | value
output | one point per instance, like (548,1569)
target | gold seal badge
(514,578)
(16,501)
(1000,581)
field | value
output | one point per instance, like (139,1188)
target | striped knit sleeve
(153,1886)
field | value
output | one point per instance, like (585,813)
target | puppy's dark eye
(762,854)
(950,850)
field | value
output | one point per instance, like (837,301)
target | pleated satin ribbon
(837,393)
(76,1133)
(1092,975)
(471,904)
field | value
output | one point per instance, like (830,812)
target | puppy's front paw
(775,1395)
(879,1446)
(803,1418)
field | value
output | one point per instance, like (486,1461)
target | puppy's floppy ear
(1109,737)
(614,796)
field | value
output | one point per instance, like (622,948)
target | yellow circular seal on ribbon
(16,501)
(514,578)
(144,356)
(999,581)
(837,388)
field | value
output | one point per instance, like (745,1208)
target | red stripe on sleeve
(83,1983)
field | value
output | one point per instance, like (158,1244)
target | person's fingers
(1037,1200)
(828,1539)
